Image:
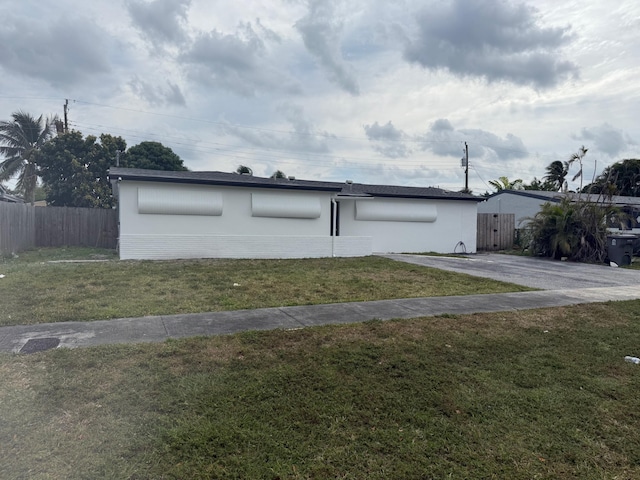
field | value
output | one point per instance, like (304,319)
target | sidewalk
(33,338)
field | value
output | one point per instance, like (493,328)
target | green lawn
(518,395)
(34,290)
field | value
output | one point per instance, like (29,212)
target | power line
(481,179)
(289,132)
(245,152)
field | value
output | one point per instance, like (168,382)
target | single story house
(7,197)
(166,215)
(526,203)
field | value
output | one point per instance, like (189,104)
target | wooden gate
(496,231)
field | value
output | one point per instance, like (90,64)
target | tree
(503,183)
(152,156)
(621,178)
(278,174)
(537,184)
(39,194)
(576,230)
(244,170)
(20,143)
(556,175)
(578,157)
(74,169)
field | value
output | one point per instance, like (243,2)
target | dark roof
(7,197)
(558,196)
(239,180)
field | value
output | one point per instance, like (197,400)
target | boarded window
(179,201)
(395,211)
(285,206)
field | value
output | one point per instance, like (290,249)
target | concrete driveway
(532,272)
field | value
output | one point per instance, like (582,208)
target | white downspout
(334,210)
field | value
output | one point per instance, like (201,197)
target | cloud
(160,21)
(267,33)
(389,173)
(606,138)
(62,53)
(302,139)
(156,95)
(304,136)
(444,140)
(492,39)
(238,62)
(321,33)
(387,140)
(383,132)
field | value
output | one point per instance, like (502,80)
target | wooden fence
(17,227)
(23,227)
(496,231)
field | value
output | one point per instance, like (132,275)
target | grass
(36,291)
(517,395)
(635,263)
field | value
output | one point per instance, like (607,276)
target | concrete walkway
(33,338)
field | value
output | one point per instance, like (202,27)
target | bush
(576,230)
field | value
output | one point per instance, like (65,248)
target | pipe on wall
(334,225)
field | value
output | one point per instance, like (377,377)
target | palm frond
(20,142)
(577,175)
(10,168)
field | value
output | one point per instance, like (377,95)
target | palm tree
(20,144)
(278,174)
(244,170)
(503,183)
(556,175)
(578,157)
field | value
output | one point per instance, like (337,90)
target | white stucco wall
(170,220)
(522,207)
(236,230)
(235,219)
(453,222)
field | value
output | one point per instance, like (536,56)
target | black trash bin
(620,248)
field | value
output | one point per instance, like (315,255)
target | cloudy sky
(376,91)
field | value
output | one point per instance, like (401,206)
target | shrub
(576,230)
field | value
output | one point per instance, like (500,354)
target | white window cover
(380,210)
(179,201)
(279,205)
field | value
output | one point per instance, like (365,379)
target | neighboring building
(167,214)
(526,203)
(7,197)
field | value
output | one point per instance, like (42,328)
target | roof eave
(222,183)
(429,197)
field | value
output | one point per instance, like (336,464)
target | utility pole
(66,123)
(465,164)
(117,158)
(466,170)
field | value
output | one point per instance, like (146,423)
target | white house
(7,197)
(526,203)
(166,215)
